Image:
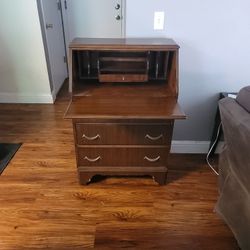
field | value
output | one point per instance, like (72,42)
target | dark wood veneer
(123,134)
(123,156)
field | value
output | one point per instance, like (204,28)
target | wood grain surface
(124,156)
(123,43)
(123,133)
(42,205)
(125,108)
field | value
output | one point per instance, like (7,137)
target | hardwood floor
(42,206)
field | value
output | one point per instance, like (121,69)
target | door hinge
(59,6)
(65,4)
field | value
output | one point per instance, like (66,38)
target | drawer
(123,77)
(122,156)
(123,134)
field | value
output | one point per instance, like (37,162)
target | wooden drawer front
(117,156)
(123,78)
(123,134)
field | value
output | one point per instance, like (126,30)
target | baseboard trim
(23,98)
(193,147)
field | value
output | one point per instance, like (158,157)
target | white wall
(23,69)
(215,54)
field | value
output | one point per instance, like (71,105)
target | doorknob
(118,17)
(117,7)
(49,26)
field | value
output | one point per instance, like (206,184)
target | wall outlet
(159,20)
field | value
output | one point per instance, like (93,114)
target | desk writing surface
(101,107)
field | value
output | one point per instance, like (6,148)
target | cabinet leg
(160,178)
(85,178)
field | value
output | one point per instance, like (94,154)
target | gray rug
(7,151)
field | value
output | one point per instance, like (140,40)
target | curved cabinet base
(159,174)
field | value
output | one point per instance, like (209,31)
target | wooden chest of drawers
(112,146)
(123,106)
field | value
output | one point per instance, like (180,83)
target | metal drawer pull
(92,160)
(152,159)
(153,138)
(91,138)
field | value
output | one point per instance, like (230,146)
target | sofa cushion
(243,98)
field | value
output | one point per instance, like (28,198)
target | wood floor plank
(110,236)
(42,205)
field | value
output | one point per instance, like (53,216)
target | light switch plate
(159,20)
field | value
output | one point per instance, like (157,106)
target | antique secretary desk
(123,105)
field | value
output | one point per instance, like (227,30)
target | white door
(55,44)
(93,18)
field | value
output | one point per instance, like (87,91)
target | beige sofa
(233,204)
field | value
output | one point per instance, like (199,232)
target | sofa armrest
(236,127)
(243,98)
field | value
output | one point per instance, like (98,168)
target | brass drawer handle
(152,138)
(92,160)
(91,138)
(152,159)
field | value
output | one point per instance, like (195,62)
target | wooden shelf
(123,59)
(124,78)
(116,69)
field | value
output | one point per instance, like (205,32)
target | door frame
(46,49)
(45,44)
(124,13)
(63,4)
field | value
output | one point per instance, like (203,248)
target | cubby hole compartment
(91,66)
(160,64)
(84,70)
(118,62)
(86,65)
(123,56)
(123,66)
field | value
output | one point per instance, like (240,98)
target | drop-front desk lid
(124,108)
